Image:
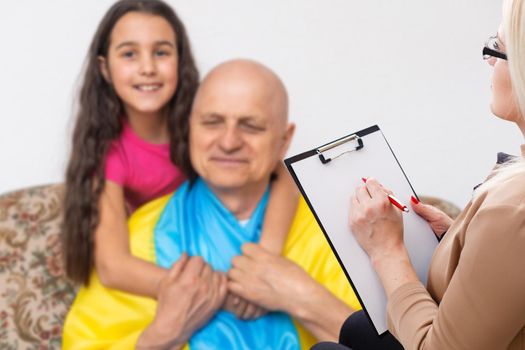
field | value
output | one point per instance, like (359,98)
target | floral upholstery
(34,295)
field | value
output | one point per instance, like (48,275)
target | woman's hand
(375,222)
(438,220)
(378,227)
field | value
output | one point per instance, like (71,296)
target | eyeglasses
(492,49)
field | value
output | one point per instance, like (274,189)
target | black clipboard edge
(307,154)
(288,162)
(403,171)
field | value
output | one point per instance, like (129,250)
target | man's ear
(288,135)
(103,67)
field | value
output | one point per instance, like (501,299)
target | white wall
(414,67)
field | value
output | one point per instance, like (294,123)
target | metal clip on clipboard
(329,146)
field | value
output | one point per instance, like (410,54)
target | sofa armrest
(34,295)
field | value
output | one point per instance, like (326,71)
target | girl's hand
(438,220)
(242,308)
(375,222)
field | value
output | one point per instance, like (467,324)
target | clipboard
(327,177)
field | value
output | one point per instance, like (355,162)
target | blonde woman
(475,297)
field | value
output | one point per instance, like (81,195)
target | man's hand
(268,280)
(279,284)
(189,295)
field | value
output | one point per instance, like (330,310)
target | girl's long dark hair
(98,124)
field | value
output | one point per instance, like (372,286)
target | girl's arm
(115,265)
(282,206)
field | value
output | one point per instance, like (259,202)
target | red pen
(394,201)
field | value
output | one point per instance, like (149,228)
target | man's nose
(230,139)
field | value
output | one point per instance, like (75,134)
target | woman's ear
(103,67)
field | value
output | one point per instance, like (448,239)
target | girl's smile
(148,87)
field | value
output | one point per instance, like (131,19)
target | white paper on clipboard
(327,178)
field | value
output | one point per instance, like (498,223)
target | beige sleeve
(484,304)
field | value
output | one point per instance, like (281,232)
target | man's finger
(236,274)
(242,262)
(236,288)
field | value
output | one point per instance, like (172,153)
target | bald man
(238,132)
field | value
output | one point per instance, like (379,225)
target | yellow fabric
(102,318)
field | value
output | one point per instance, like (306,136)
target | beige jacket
(475,298)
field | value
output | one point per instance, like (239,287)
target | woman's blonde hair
(514,28)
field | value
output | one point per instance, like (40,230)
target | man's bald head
(239,127)
(252,75)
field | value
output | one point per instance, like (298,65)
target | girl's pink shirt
(143,169)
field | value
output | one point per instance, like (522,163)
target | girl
(130,142)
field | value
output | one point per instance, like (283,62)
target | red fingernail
(364,179)
(414,200)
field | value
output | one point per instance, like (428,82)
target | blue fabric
(195,221)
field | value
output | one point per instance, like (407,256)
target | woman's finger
(375,189)
(362,195)
(373,181)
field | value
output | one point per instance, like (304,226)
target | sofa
(34,294)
